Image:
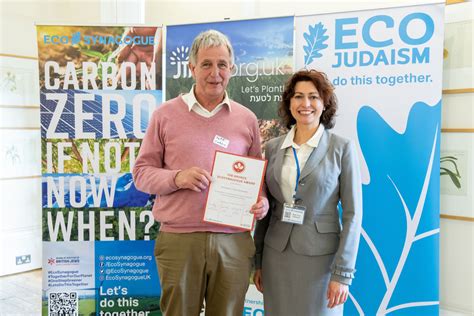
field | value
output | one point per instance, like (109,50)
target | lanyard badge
(294,214)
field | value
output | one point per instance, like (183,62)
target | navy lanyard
(298,172)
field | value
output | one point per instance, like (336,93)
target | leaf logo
(76,38)
(398,252)
(181,54)
(238,166)
(315,42)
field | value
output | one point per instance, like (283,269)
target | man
(198,261)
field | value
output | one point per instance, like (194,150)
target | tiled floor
(20,295)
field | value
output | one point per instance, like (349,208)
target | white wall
(18,19)
(170,12)
(456,262)
(457,235)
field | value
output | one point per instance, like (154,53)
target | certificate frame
(457,150)
(19,86)
(238,158)
(20,151)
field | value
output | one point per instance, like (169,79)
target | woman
(305,260)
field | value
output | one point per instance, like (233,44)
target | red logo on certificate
(238,166)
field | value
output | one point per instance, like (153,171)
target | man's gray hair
(210,38)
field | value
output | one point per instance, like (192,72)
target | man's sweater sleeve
(148,173)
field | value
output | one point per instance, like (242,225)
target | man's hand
(260,209)
(337,293)
(194,178)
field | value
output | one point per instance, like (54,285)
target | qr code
(63,304)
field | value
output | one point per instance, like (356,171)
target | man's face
(211,73)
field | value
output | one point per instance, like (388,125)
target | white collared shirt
(193,104)
(303,151)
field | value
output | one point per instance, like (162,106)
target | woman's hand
(257,279)
(337,293)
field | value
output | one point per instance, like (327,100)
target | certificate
(235,187)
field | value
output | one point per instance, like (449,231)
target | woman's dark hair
(325,90)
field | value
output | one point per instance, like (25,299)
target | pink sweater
(177,139)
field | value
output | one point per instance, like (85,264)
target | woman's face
(306,105)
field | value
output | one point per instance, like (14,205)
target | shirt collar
(312,142)
(191,101)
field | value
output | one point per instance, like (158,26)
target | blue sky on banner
(252,40)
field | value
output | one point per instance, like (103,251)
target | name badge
(221,141)
(293,214)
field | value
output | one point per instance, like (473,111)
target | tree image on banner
(399,231)
(315,42)
(263,61)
